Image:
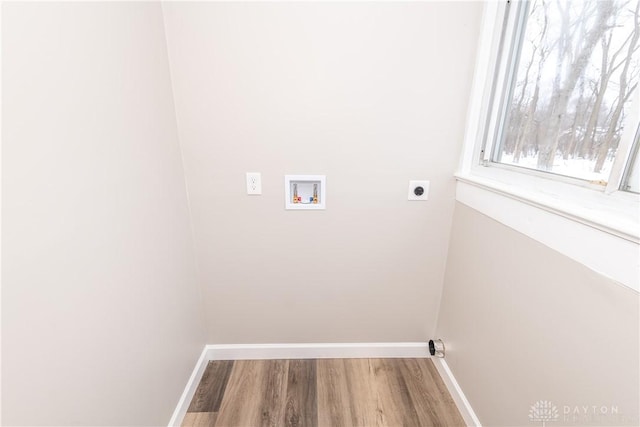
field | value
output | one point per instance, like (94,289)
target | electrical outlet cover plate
(412,187)
(254,183)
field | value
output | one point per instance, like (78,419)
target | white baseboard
(292,351)
(317,351)
(459,398)
(190,389)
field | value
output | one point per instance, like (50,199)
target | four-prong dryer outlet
(419,191)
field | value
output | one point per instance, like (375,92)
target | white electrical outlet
(254,183)
(418,190)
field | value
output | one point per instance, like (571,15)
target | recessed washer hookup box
(305,191)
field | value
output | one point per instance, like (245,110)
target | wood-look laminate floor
(323,392)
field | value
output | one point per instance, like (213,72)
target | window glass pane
(577,70)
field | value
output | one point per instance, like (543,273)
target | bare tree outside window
(578,69)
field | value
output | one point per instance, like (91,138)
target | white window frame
(558,202)
(634,156)
(514,15)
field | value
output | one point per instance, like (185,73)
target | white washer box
(305,192)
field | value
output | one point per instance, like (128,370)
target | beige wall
(523,323)
(101,323)
(370,94)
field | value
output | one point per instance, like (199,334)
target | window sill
(617,213)
(597,230)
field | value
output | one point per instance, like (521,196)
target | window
(552,141)
(565,101)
